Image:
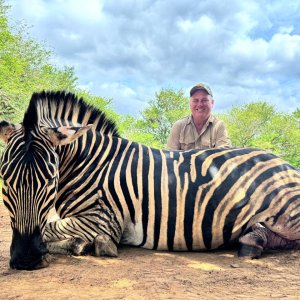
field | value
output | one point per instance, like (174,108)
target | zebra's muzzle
(28,251)
(32,264)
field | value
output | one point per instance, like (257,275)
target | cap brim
(199,88)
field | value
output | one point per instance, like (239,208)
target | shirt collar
(210,119)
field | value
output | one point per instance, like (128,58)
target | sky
(128,50)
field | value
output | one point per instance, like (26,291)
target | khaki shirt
(184,135)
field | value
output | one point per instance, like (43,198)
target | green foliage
(154,127)
(25,68)
(296,114)
(259,125)
(247,123)
(282,137)
(7,109)
(131,129)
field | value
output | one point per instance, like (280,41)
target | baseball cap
(201,86)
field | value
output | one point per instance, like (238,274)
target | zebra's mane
(54,109)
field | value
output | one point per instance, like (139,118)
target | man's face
(201,105)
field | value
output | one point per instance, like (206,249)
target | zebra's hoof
(104,246)
(81,247)
(249,251)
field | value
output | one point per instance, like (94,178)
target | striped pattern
(138,195)
(178,200)
(29,186)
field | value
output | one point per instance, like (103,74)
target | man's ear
(7,130)
(65,134)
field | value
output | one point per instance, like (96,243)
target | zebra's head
(30,173)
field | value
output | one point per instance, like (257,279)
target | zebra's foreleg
(72,246)
(101,246)
(83,235)
(65,236)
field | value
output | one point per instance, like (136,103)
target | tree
(296,114)
(259,125)
(25,67)
(157,119)
(282,137)
(247,123)
(6,108)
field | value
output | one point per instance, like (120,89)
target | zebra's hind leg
(260,238)
(252,244)
(72,246)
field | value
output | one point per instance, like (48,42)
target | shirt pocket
(204,145)
(186,143)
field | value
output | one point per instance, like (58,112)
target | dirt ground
(144,274)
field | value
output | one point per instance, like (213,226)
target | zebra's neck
(82,165)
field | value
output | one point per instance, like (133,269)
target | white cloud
(286,29)
(128,50)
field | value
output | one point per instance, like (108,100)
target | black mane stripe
(60,108)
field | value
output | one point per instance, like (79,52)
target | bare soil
(144,274)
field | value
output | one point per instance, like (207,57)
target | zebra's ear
(65,134)
(7,130)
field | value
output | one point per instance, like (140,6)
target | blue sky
(128,50)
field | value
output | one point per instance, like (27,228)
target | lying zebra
(108,190)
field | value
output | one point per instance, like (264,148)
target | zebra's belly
(132,234)
(180,238)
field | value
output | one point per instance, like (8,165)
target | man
(200,130)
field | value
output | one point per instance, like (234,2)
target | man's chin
(202,114)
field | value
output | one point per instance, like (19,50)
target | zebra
(108,190)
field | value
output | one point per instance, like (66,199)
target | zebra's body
(108,190)
(136,177)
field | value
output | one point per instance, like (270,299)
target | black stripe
(145,199)
(157,195)
(124,186)
(134,166)
(172,213)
